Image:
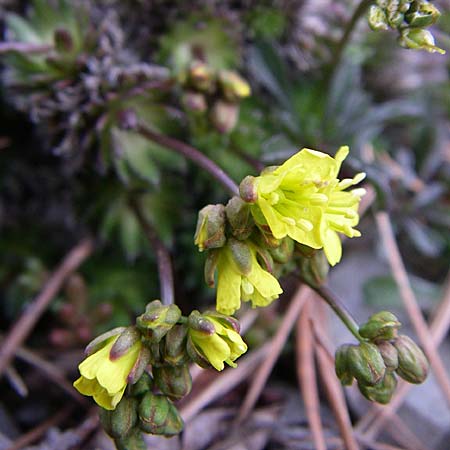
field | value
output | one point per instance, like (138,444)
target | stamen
(305,225)
(359,192)
(288,220)
(318,199)
(273,198)
(247,287)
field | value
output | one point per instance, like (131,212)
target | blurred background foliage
(68,169)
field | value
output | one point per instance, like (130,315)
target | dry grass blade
(334,392)
(439,327)
(275,347)
(306,374)
(410,302)
(31,315)
(223,383)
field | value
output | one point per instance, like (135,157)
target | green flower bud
(119,422)
(210,232)
(341,365)
(157,320)
(422,15)
(158,415)
(174,352)
(201,76)
(380,326)
(142,386)
(248,190)
(233,86)
(389,354)
(100,341)
(175,382)
(395,19)
(418,39)
(366,363)
(224,116)
(381,392)
(377,18)
(412,363)
(194,102)
(240,218)
(315,269)
(283,253)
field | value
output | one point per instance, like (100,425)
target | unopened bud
(389,354)
(142,386)
(194,102)
(315,269)
(248,190)
(234,87)
(210,232)
(422,15)
(377,18)
(63,40)
(158,415)
(341,365)
(175,346)
(419,39)
(395,19)
(412,363)
(201,76)
(119,422)
(366,363)
(173,381)
(124,342)
(242,255)
(157,320)
(380,326)
(239,217)
(224,116)
(381,392)
(283,253)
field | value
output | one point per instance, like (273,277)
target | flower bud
(174,352)
(201,76)
(395,19)
(224,116)
(239,217)
(341,365)
(412,363)
(377,18)
(173,381)
(381,392)
(419,39)
(366,363)
(389,354)
(158,415)
(233,86)
(194,102)
(157,320)
(241,255)
(248,190)
(210,232)
(315,269)
(422,15)
(63,40)
(380,326)
(120,421)
(283,253)
(100,341)
(142,386)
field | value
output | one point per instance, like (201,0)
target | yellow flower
(216,339)
(105,378)
(304,199)
(240,276)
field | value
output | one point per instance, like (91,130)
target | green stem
(337,306)
(357,14)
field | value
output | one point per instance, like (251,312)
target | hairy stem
(190,153)
(165,271)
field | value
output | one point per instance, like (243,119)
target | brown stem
(24,47)
(33,312)
(165,271)
(190,153)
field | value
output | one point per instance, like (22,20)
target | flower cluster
(115,372)
(380,356)
(256,237)
(409,18)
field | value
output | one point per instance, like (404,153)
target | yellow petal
(228,286)
(332,246)
(90,366)
(266,284)
(276,225)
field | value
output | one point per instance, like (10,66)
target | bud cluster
(212,93)
(137,373)
(409,18)
(379,357)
